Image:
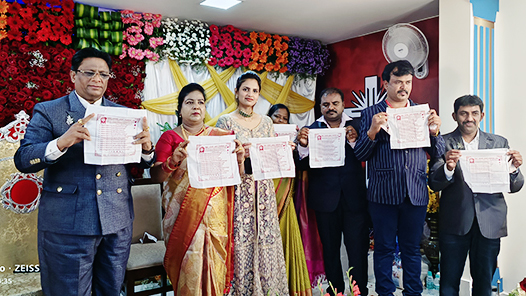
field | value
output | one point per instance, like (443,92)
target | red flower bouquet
(230,47)
(39,21)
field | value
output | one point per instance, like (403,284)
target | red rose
(129,78)
(28,106)
(12,89)
(3,100)
(46,95)
(523,284)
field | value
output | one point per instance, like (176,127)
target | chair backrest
(148,214)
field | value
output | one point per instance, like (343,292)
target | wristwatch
(147,152)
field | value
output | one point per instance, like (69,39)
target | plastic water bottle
(430,284)
(437,283)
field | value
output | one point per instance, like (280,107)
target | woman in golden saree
(198,223)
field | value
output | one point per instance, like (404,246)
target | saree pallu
(297,272)
(198,227)
(309,230)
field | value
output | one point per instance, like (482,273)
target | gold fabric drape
(273,92)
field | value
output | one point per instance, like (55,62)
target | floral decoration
(308,57)
(142,35)
(230,47)
(520,290)
(187,42)
(4,6)
(32,74)
(269,52)
(126,89)
(355,291)
(38,73)
(38,21)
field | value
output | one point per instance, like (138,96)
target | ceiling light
(223,4)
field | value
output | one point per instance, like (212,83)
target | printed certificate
(326,147)
(271,158)
(289,130)
(112,131)
(486,170)
(211,162)
(408,127)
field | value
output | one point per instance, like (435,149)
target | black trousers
(355,228)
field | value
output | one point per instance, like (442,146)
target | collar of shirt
(86,103)
(389,104)
(474,144)
(344,119)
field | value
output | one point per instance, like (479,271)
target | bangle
(166,169)
(436,134)
(168,164)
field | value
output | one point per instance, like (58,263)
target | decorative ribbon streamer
(87,33)
(83,10)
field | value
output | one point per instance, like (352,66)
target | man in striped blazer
(469,222)
(397,189)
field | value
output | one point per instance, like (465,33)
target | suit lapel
(76,110)
(485,142)
(456,142)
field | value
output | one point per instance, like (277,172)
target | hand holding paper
(113,132)
(76,133)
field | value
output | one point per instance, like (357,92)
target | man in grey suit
(86,211)
(469,222)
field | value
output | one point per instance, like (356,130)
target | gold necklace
(186,132)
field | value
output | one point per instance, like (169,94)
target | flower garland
(269,54)
(187,42)
(142,35)
(40,21)
(308,57)
(230,47)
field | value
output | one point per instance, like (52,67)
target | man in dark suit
(397,189)
(337,194)
(86,211)
(469,222)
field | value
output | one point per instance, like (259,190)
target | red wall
(354,59)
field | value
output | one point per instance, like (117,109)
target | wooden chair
(146,260)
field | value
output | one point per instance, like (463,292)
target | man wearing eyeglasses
(86,211)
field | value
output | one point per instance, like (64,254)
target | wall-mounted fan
(407,42)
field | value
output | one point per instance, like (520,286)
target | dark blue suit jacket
(394,173)
(69,203)
(327,185)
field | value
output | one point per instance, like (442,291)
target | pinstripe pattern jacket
(394,173)
(459,205)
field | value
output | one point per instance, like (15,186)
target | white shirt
(473,145)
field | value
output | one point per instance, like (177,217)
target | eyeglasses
(90,74)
